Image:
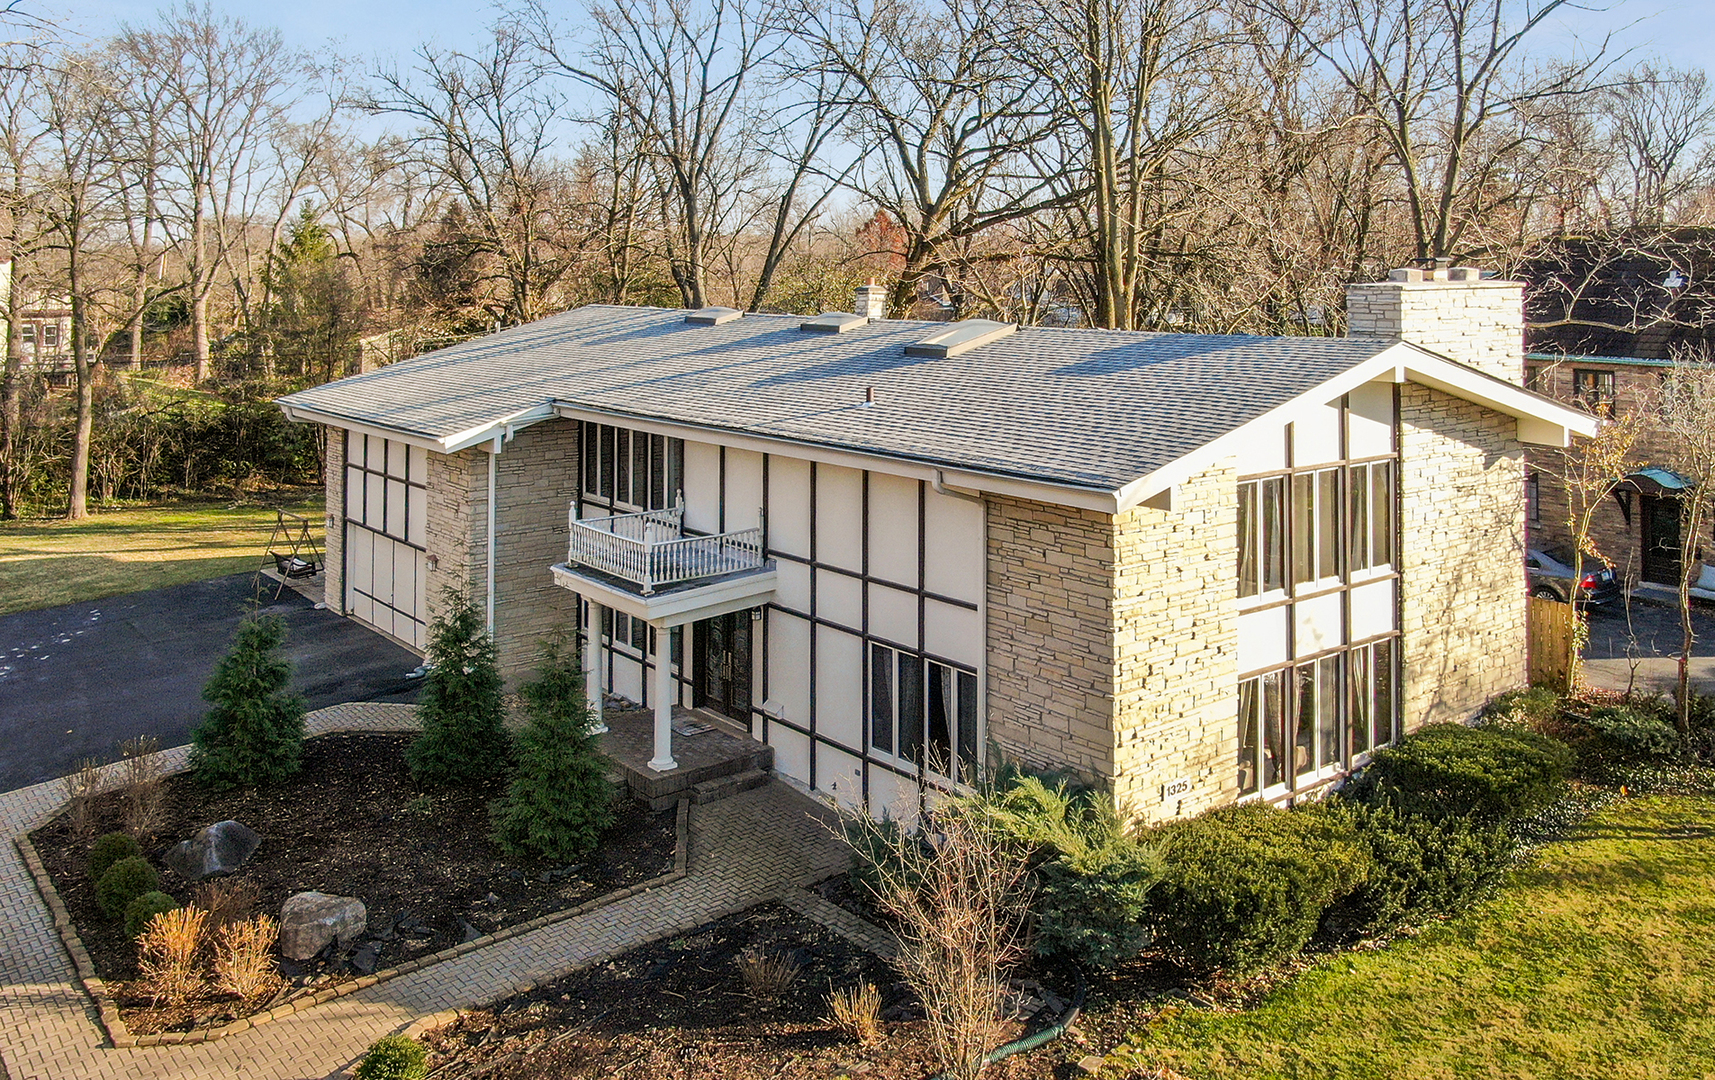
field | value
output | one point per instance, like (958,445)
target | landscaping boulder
(309,920)
(219,849)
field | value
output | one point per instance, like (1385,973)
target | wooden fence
(1550,640)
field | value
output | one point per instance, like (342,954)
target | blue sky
(1683,32)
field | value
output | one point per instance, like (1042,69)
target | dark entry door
(1660,523)
(723,665)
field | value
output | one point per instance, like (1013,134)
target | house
(43,335)
(1197,568)
(1637,528)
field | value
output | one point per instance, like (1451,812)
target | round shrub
(1632,734)
(1422,867)
(1244,886)
(139,911)
(394,1058)
(1494,774)
(124,882)
(1090,906)
(108,850)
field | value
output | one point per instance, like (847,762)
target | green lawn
(44,562)
(1597,961)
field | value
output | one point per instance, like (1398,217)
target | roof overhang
(1542,421)
(502,428)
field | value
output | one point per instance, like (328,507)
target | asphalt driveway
(1639,649)
(75,680)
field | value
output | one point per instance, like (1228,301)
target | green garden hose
(1046,1035)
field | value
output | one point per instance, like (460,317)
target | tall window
(1340,706)
(1533,499)
(924,712)
(1315,526)
(1262,536)
(50,335)
(27,333)
(1369,518)
(1594,390)
(632,469)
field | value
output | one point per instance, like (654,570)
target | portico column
(592,668)
(663,759)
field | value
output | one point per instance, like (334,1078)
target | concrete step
(726,787)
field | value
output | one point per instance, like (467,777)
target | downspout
(941,488)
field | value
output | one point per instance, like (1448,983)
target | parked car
(1551,579)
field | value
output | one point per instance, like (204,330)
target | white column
(663,759)
(593,669)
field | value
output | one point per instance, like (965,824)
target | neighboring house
(1195,568)
(44,335)
(1640,293)
(1636,529)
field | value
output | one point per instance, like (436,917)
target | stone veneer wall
(1176,621)
(1049,635)
(535,482)
(1462,563)
(1112,643)
(333,544)
(1480,323)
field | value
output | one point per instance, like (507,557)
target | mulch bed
(352,823)
(680,1008)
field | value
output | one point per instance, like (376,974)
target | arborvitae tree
(254,731)
(560,800)
(462,711)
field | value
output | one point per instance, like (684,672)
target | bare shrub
(767,975)
(227,901)
(856,1012)
(244,958)
(168,955)
(958,892)
(81,787)
(143,783)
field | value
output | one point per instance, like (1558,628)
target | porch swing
(293,551)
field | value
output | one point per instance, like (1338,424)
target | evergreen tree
(462,711)
(560,800)
(254,731)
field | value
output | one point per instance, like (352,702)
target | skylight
(713,316)
(961,337)
(834,322)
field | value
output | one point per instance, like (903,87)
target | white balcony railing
(651,550)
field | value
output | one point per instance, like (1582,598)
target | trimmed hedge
(1631,734)
(1244,886)
(108,850)
(1421,868)
(144,908)
(124,882)
(1493,774)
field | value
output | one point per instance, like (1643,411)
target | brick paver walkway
(744,850)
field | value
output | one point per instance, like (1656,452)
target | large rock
(309,920)
(219,849)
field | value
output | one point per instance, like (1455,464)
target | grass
(1598,960)
(46,562)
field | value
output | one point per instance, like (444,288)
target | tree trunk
(78,507)
(10,407)
(199,329)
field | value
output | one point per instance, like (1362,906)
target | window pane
(622,465)
(1363,691)
(1387,717)
(592,457)
(657,472)
(675,470)
(938,752)
(1273,534)
(640,470)
(1327,523)
(1358,535)
(1250,723)
(1381,513)
(881,698)
(967,728)
(1303,528)
(606,473)
(911,708)
(1304,739)
(1328,710)
(1247,539)
(1275,741)
(639,635)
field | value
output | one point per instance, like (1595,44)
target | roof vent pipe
(871,301)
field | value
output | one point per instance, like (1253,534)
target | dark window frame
(1594,388)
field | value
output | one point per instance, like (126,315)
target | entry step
(725,787)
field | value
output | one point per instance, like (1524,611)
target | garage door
(386,511)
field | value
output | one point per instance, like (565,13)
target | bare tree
(1660,122)
(21,134)
(1590,470)
(1684,414)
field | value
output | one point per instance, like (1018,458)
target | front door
(1661,539)
(723,665)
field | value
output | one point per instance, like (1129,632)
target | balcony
(645,565)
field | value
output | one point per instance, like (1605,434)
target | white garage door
(386,511)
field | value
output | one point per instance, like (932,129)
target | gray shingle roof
(1094,408)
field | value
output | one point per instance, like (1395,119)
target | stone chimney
(871,301)
(1453,311)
